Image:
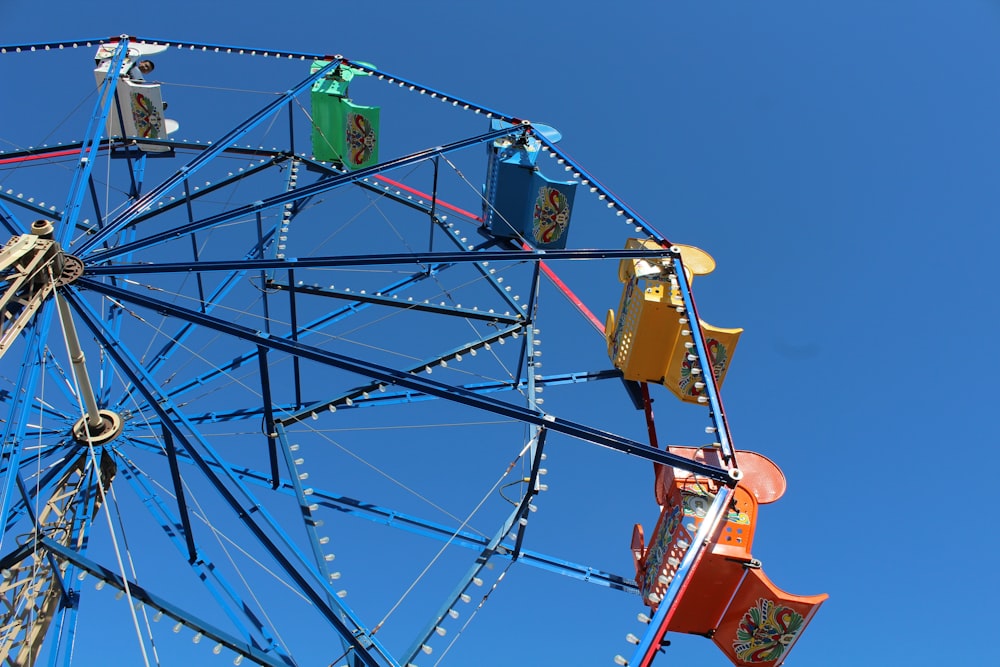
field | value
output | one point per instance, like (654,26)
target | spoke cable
(202,516)
(222,539)
(257,394)
(454,534)
(135,576)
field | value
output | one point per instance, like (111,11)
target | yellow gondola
(650,339)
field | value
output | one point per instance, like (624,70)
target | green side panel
(328,140)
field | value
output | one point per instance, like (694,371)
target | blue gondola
(520,202)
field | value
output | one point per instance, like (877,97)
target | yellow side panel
(645,332)
(721,344)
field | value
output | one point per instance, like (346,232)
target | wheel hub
(110,428)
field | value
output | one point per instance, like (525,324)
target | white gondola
(139,110)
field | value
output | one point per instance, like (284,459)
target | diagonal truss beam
(408,380)
(281,199)
(371,260)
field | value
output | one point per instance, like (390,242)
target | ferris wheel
(273,389)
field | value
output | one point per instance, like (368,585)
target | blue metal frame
(603,193)
(492,548)
(377,397)
(267,532)
(36,210)
(9,220)
(221,590)
(404,379)
(418,526)
(311,575)
(24,392)
(303,192)
(717,413)
(145,595)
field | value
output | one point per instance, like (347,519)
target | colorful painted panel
(689,384)
(141,106)
(670,541)
(361,136)
(147,116)
(550,215)
(763,622)
(765,631)
(523,204)
(344,132)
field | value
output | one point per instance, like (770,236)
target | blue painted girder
(381,300)
(281,53)
(146,596)
(376,397)
(84,166)
(235,608)
(365,260)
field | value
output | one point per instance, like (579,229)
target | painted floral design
(766,631)
(148,120)
(696,504)
(720,357)
(658,549)
(735,516)
(551,216)
(360,139)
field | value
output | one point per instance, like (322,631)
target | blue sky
(838,160)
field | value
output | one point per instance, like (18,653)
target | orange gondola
(728,596)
